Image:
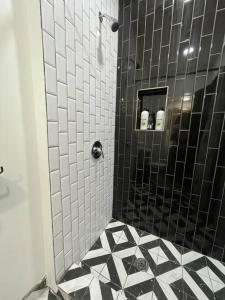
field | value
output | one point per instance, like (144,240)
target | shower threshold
(110,269)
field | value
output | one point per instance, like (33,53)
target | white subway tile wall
(80,59)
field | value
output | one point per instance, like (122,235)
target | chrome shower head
(114,24)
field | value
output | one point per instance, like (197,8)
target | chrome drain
(141,264)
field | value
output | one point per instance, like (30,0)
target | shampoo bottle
(144,119)
(160,117)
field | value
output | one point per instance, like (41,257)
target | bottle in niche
(144,119)
(160,117)
(151,121)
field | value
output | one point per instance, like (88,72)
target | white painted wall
(80,68)
(26,252)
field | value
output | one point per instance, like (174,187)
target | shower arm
(109,18)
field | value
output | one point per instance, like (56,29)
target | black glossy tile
(150,6)
(195,36)
(207,112)
(139,58)
(220,103)
(221,4)
(197,179)
(177,12)
(174,43)
(141,17)
(134,9)
(156,47)
(167,19)
(126,22)
(219,32)
(158,14)
(210,164)
(214,210)
(133,36)
(218,183)
(199,8)
(175,177)
(221,158)
(209,16)
(199,94)
(149,32)
(190,159)
(187,19)
(193,134)
(216,128)
(204,55)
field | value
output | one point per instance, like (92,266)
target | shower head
(114,24)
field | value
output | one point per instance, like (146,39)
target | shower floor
(109,270)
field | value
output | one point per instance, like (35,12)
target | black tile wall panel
(171,183)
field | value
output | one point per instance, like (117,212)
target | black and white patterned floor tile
(109,270)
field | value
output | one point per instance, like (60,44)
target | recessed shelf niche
(152,99)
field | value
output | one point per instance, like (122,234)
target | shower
(114,24)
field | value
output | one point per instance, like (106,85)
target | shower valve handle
(97,150)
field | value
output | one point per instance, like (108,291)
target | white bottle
(160,118)
(144,119)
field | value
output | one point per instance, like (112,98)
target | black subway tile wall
(171,182)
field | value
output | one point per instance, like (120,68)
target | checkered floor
(109,269)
